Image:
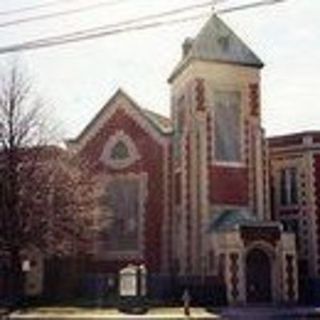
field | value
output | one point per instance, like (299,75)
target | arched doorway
(258,277)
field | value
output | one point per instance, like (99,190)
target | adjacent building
(295,188)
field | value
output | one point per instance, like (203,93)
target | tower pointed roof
(217,42)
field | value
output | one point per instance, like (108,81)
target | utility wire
(249,6)
(33,7)
(123,27)
(125,22)
(61,13)
(29,46)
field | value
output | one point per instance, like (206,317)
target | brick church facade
(188,197)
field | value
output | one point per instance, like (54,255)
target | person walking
(186,302)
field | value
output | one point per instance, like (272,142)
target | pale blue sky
(78,79)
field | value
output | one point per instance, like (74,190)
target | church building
(188,197)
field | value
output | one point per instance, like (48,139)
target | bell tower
(218,152)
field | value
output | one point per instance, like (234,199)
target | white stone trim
(119,136)
(120,101)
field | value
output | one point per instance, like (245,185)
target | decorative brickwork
(269,234)
(200,95)
(234,272)
(290,278)
(289,211)
(253,166)
(254,99)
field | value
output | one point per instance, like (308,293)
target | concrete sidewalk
(86,314)
(264,313)
(244,313)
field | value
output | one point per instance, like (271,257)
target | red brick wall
(228,186)
(151,162)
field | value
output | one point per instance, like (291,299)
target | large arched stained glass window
(120,206)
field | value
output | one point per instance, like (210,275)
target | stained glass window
(120,151)
(120,204)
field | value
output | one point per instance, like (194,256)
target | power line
(123,27)
(36,45)
(249,6)
(61,13)
(123,23)
(32,8)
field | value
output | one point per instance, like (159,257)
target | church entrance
(258,277)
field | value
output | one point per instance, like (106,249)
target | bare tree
(45,194)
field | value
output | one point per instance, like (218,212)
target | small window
(224,42)
(288,186)
(119,151)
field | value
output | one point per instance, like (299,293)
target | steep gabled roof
(164,123)
(158,122)
(217,42)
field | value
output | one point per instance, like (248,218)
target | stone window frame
(118,164)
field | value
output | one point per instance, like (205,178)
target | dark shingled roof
(164,123)
(217,42)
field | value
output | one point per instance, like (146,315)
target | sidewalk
(86,314)
(229,313)
(262,313)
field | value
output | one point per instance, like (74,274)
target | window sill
(229,164)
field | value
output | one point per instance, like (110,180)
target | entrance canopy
(258,258)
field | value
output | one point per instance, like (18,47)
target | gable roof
(164,123)
(217,42)
(158,122)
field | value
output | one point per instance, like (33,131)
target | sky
(76,80)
